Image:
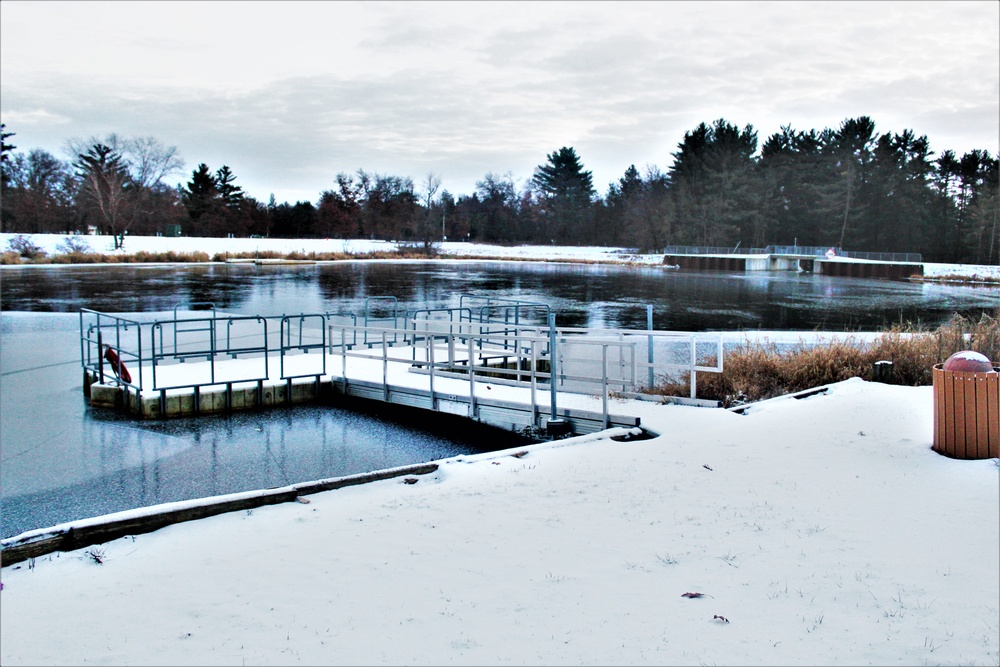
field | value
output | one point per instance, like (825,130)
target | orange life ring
(117,366)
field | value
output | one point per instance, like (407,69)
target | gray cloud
(466,89)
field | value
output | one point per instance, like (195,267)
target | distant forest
(849,187)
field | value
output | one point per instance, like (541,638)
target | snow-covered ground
(815,531)
(104,244)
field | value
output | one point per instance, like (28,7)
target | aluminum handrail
(211,352)
(286,347)
(498,348)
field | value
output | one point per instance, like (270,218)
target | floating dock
(449,395)
(530,379)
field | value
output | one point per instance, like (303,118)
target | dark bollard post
(882,372)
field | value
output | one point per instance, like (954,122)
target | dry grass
(402,252)
(142,257)
(755,371)
(263,254)
(297,255)
(11,257)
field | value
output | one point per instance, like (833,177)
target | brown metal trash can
(966,414)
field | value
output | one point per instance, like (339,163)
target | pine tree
(5,149)
(851,148)
(201,195)
(715,186)
(567,191)
(232,195)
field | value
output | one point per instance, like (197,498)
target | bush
(417,249)
(84,258)
(144,256)
(25,247)
(74,245)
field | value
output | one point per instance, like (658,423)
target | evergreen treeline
(848,187)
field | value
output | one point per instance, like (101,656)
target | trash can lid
(968,361)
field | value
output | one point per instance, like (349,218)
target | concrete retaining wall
(706,262)
(89,532)
(837,268)
(890,270)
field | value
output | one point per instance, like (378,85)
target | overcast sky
(290,94)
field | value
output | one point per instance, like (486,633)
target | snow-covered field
(816,531)
(50,244)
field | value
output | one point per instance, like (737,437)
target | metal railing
(807,251)
(305,344)
(587,361)
(804,250)
(513,309)
(100,332)
(211,372)
(909,257)
(575,360)
(712,250)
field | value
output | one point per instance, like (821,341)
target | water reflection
(683,301)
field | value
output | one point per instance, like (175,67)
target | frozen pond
(60,460)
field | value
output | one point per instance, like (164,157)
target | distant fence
(816,251)
(909,257)
(711,250)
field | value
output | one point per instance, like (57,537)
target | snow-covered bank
(818,531)
(104,244)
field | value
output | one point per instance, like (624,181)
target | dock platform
(531,379)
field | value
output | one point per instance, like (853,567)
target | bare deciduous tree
(120,177)
(104,184)
(431,184)
(427,227)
